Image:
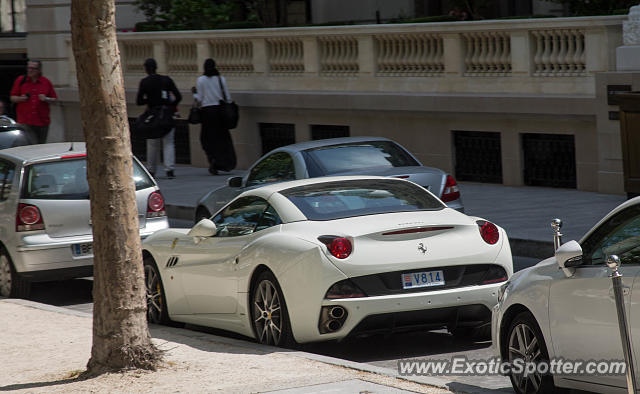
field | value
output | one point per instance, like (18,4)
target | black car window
(357,156)
(7,171)
(269,218)
(336,200)
(240,217)
(620,235)
(274,168)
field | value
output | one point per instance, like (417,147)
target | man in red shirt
(32,94)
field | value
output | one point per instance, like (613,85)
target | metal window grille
(321,131)
(275,135)
(549,160)
(478,156)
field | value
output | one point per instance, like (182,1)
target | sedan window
(356,156)
(620,235)
(240,217)
(277,167)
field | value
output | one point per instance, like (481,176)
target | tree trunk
(121,337)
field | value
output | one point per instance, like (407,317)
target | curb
(363,367)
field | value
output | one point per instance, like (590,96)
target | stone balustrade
(556,55)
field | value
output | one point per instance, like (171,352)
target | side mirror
(204,228)
(569,256)
(235,181)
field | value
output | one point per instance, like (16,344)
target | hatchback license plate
(82,250)
(422,279)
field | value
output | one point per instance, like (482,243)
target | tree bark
(121,337)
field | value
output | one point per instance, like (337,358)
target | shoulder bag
(229,110)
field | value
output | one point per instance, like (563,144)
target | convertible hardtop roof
(269,189)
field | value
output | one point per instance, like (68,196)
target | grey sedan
(331,157)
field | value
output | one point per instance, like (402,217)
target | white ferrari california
(563,308)
(320,259)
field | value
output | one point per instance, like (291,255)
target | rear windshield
(67,180)
(356,156)
(336,200)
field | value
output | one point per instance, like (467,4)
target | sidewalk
(524,212)
(44,348)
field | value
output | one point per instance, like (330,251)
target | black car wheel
(202,213)
(12,284)
(526,343)
(269,315)
(156,302)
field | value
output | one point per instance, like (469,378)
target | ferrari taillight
(488,231)
(28,218)
(339,247)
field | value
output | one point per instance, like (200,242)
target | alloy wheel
(154,295)
(5,276)
(524,345)
(267,313)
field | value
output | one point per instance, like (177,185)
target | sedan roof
(302,146)
(44,151)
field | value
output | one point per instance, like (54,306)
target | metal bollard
(613,262)
(556,225)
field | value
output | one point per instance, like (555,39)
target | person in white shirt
(211,88)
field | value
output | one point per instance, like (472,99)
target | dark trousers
(216,140)
(40,133)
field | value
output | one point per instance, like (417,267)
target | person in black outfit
(156,90)
(214,137)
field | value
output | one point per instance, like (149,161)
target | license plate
(422,279)
(82,249)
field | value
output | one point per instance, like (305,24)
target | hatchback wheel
(156,302)
(11,283)
(525,342)
(269,314)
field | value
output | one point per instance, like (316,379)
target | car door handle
(236,260)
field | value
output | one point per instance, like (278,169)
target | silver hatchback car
(45,219)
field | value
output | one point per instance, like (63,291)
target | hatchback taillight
(488,231)
(155,205)
(450,191)
(339,247)
(28,218)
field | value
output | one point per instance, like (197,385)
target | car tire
(269,314)
(12,284)
(202,213)
(522,333)
(157,312)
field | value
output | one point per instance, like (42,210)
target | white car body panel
(211,282)
(577,315)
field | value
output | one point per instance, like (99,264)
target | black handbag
(155,122)
(194,114)
(228,110)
